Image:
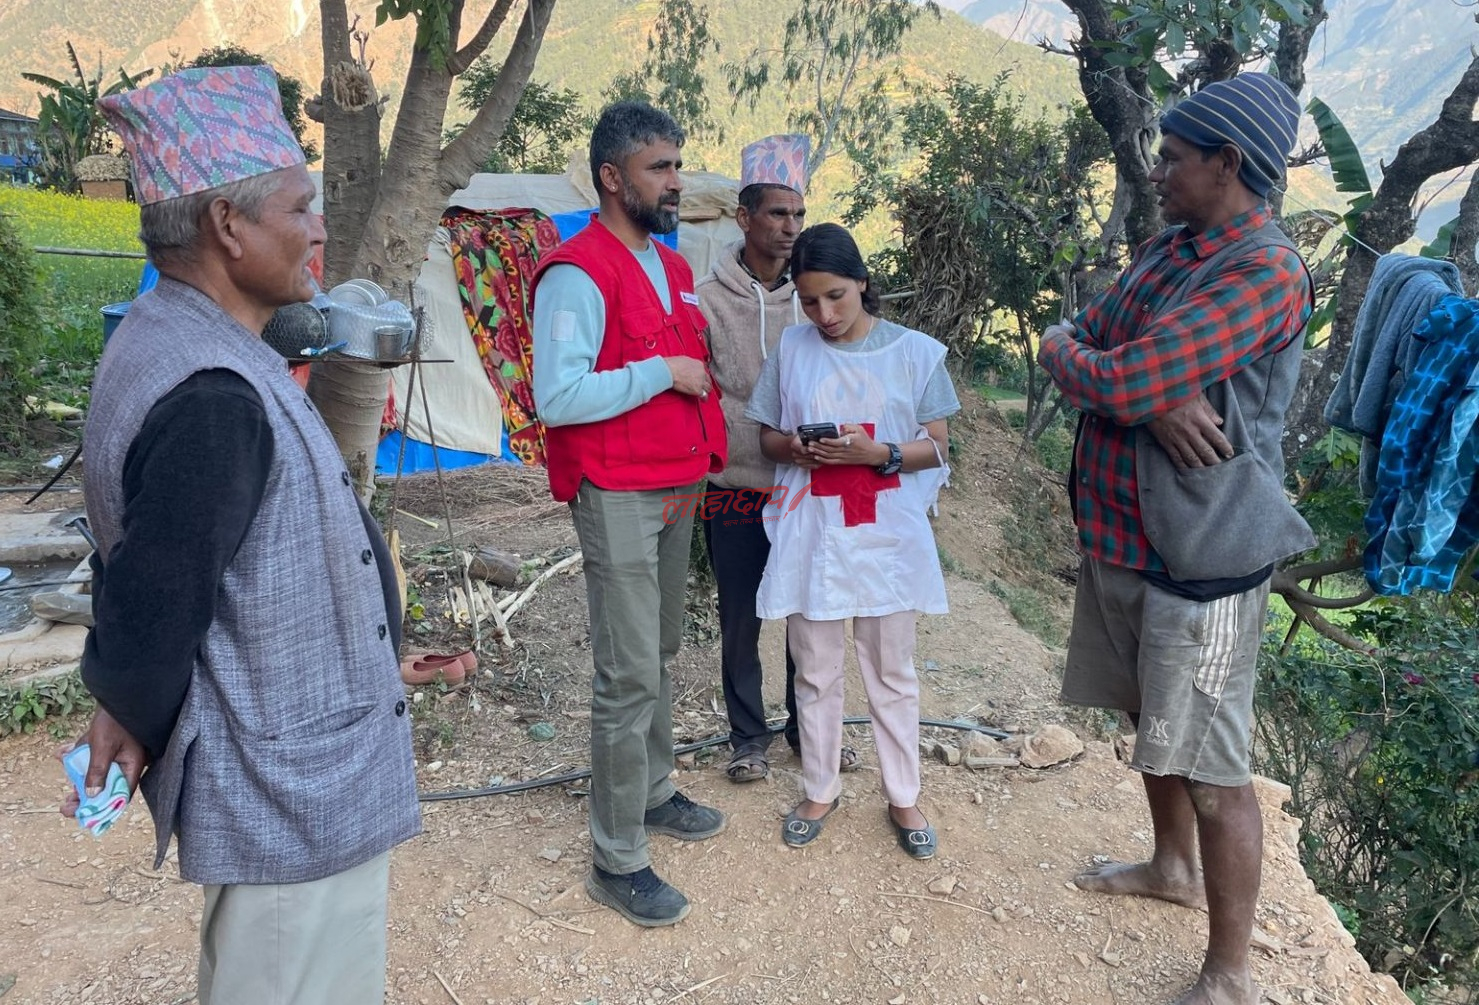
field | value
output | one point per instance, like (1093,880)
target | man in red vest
(633,426)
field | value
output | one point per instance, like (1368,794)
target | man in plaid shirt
(1174,583)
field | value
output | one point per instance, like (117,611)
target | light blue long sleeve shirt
(569,327)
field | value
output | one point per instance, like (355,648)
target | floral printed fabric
(495,255)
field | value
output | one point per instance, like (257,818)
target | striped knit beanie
(1253,111)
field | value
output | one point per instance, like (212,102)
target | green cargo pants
(635,547)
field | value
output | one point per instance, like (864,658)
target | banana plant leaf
(1345,160)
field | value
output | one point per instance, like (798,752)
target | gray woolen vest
(291,759)
(1233,518)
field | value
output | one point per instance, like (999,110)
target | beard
(660,217)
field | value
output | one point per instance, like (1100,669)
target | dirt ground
(488,906)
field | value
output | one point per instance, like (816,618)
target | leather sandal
(798,830)
(848,760)
(747,764)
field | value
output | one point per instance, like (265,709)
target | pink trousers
(885,647)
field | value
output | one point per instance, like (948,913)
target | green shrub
(20,333)
(22,709)
(1380,754)
(1054,445)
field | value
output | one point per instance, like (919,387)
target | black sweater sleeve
(193,480)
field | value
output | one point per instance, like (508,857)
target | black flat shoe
(919,842)
(798,830)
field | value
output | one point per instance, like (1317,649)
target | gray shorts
(1186,668)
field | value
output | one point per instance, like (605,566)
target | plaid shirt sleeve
(1253,308)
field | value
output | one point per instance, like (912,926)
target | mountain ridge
(607,34)
(1383,66)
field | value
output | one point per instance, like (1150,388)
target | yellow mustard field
(79,286)
(70,221)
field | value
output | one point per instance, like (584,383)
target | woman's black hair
(829,248)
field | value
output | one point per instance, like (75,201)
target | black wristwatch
(895,460)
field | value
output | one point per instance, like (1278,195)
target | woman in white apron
(850,536)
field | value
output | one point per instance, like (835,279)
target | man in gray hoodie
(748,300)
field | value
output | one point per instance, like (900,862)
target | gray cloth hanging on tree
(1402,291)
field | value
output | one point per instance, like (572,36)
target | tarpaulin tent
(465,408)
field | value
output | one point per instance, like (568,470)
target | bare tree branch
(480,41)
(1451,141)
(1290,53)
(462,156)
(1334,633)
(1299,595)
(1308,155)
(1307,604)
(1292,50)
(1120,100)
(1317,570)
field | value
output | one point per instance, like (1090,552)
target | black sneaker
(682,818)
(641,897)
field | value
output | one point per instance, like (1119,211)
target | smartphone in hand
(814,431)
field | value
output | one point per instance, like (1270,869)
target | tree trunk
(350,110)
(1466,237)
(1290,54)
(394,223)
(411,197)
(1293,48)
(1451,141)
(1119,98)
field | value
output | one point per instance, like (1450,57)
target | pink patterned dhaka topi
(199,129)
(776,160)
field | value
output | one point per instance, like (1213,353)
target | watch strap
(895,460)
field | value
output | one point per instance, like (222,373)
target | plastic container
(356,325)
(113,314)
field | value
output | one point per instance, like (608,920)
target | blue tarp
(572,223)
(423,456)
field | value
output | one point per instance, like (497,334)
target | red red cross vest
(672,439)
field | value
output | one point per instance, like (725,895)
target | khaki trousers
(885,648)
(318,943)
(635,547)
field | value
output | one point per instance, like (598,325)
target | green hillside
(590,41)
(588,44)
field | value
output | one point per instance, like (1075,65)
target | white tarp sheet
(465,413)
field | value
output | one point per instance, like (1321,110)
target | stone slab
(40,537)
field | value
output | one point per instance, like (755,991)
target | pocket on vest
(324,724)
(1223,521)
(861,563)
(642,333)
